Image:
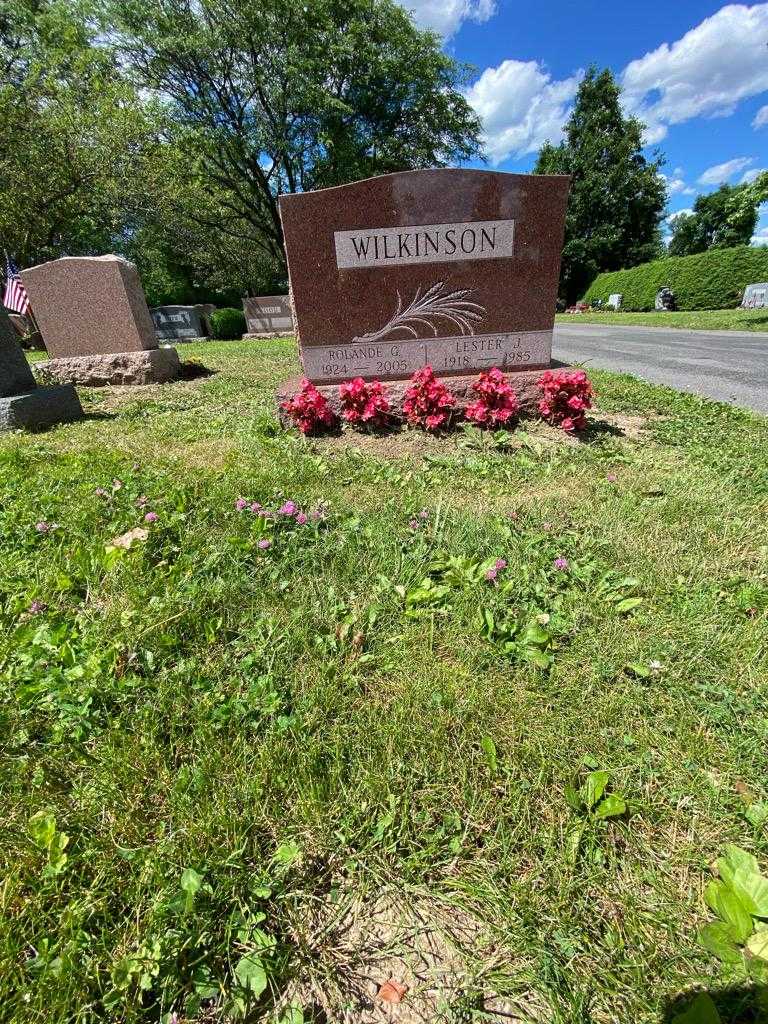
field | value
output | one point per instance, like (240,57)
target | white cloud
(521,107)
(750,176)
(761,117)
(760,237)
(705,73)
(722,172)
(446,16)
(675,183)
(679,213)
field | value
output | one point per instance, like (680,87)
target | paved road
(731,366)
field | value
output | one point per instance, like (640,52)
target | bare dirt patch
(401,957)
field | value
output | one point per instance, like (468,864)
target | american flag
(15,298)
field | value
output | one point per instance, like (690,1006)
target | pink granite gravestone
(91,310)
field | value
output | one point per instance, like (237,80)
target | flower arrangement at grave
(496,403)
(427,401)
(566,396)
(309,410)
(364,403)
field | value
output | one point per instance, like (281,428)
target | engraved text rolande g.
(424,243)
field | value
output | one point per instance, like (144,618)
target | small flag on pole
(15,297)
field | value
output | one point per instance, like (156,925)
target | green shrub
(714,279)
(228,324)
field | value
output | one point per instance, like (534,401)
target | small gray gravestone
(755,296)
(614,300)
(177,323)
(22,403)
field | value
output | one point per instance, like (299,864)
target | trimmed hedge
(227,324)
(714,279)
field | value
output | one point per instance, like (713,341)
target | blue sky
(695,72)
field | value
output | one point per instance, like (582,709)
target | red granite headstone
(457,269)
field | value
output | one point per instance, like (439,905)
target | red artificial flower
(496,403)
(427,401)
(309,410)
(565,398)
(364,402)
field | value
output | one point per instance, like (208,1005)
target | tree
(289,95)
(617,196)
(720,220)
(73,134)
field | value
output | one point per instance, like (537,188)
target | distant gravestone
(614,300)
(91,309)
(177,323)
(665,300)
(457,269)
(268,316)
(22,403)
(755,296)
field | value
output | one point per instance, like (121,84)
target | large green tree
(74,133)
(289,95)
(720,219)
(617,196)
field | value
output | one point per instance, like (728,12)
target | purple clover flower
(561,563)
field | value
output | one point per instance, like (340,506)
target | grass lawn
(700,320)
(287,774)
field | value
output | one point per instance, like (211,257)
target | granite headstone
(453,268)
(90,305)
(614,300)
(268,315)
(93,316)
(22,403)
(177,323)
(755,296)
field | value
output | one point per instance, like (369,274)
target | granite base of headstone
(454,269)
(24,405)
(153,366)
(95,322)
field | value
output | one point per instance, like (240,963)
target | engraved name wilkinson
(424,243)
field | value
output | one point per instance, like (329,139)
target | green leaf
(42,829)
(757,944)
(250,974)
(637,669)
(594,788)
(190,884)
(611,807)
(489,749)
(536,635)
(729,909)
(572,797)
(628,604)
(190,881)
(739,858)
(716,937)
(701,1011)
(757,814)
(752,890)
(287,854)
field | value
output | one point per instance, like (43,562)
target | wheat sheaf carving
(429,309)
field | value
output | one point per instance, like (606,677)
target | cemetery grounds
(260,781)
